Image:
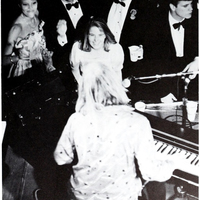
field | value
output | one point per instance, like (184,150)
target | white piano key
(187,161)
(183,153)
(167,149)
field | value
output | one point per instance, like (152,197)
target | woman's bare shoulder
(16,27)
(14,32)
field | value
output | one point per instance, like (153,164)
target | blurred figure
(26,42)
(106,152)
(35,101)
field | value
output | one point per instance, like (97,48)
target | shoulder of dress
(76,115)
(76,45)
(15,32)
(16,27)
(117,49)
(116,46)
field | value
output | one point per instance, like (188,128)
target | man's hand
(61,29)
(47,59)
(192,67)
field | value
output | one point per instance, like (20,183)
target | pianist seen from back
(108,136)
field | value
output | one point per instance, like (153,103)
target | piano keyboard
(189,160)
(181,144)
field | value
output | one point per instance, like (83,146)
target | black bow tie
(177,25)
(69,5)
(122,3)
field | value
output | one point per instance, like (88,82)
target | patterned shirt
(107,143)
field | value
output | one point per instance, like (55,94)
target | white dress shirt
(74,13)
(177,36)
(116,18)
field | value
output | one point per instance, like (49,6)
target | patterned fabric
(30,47)
(106,144)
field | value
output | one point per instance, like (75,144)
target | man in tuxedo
(170,45)
(63,24)
(128,20)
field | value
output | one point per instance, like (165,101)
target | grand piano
(173,137)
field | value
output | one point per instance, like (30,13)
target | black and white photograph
(100,99)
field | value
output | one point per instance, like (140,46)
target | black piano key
(188,156)
(160,147)
(175,151)
(164,148)
(156,142)
(194,159)
(171,150)
(196,162)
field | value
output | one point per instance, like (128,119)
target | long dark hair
(101,24)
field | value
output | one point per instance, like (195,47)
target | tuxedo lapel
(170,48)
(191,39)
(131,28)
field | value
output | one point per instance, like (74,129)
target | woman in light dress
(26,41)
(98,45)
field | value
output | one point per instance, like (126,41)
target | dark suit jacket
(151,29)
(133,30)
(133,33)
(159,43)
(160,55)
(51,11)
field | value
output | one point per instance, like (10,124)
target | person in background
(64,22)
(33,133)
(107,152)
(171,44)
(26,42)
(98,45)
(128,20)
